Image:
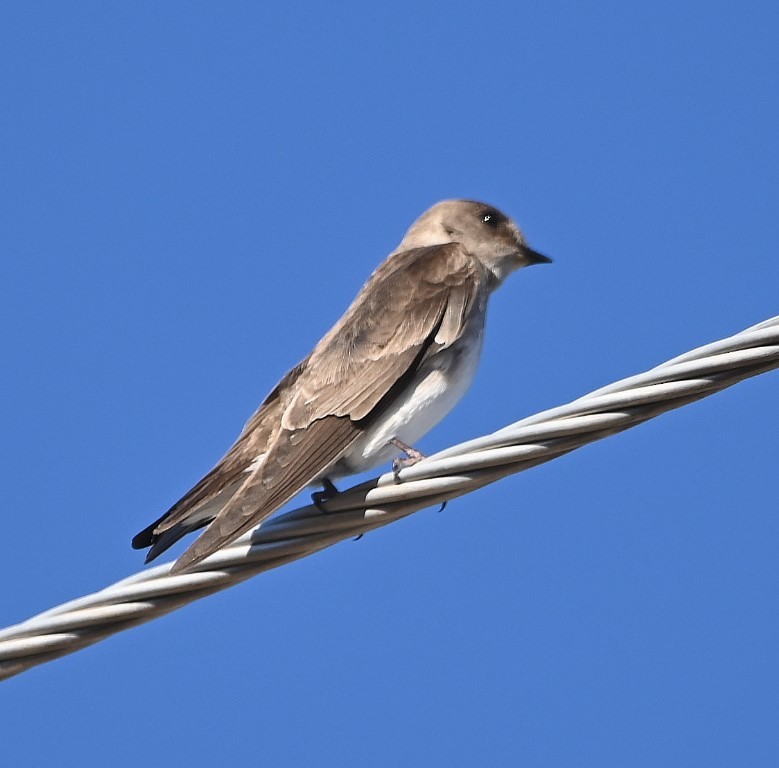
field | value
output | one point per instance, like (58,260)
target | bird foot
(320,497)
(412,457)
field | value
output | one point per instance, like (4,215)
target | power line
(446,475)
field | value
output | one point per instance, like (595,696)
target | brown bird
(389,370)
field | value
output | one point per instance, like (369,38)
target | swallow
(392,367)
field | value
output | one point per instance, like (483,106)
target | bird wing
(201,503)
(416,303)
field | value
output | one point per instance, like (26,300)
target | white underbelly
(440,384)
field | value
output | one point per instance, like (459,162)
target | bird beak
(534,257)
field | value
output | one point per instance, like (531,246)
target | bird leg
(320,497)
(412,457)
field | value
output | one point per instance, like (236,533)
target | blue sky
(193,192)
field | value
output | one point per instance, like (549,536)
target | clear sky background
(192,193)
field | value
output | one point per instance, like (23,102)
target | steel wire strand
(453,472)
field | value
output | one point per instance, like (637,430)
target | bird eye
(493,219)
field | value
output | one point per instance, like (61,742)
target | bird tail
(165,539)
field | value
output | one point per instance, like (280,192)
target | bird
(390,369)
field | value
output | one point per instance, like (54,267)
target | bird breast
(437,387)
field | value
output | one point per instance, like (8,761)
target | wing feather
(225,476)
(416,303)
(263,494)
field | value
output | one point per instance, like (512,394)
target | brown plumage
(422,300)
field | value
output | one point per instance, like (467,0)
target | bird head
(485,232)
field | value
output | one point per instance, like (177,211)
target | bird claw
(320,497)
(401,462)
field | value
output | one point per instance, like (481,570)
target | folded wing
(415,304)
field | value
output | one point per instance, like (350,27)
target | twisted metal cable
(446,475)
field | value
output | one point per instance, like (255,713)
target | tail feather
(168,538)
(146,537)
(165,539)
